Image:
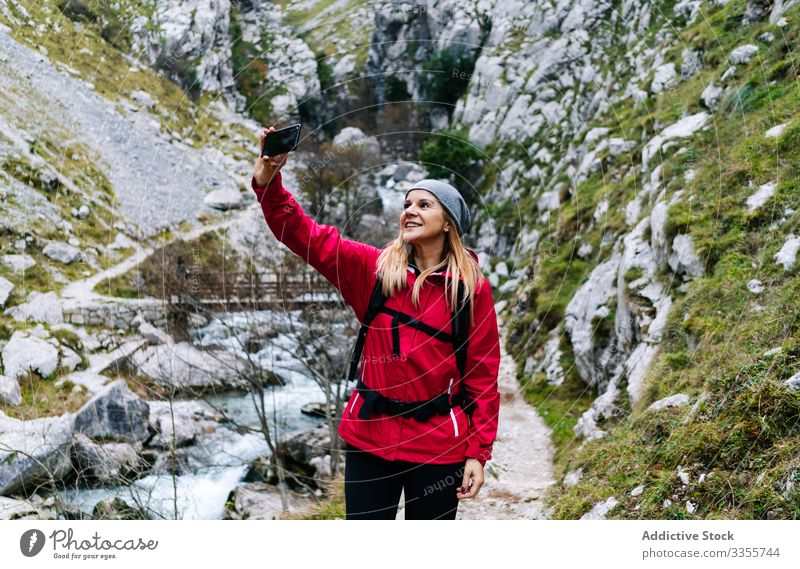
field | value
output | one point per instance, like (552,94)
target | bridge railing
(261,287)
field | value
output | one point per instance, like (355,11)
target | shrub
(449,154)
(446,76)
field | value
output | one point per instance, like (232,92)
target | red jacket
(427,366)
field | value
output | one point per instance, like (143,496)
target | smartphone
(281,141)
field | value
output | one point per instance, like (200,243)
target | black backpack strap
(376,301)
(460,325)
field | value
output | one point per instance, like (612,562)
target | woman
(406,365)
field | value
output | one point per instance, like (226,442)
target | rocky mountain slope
(636,204)
(639,208)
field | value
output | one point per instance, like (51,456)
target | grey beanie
(450,199)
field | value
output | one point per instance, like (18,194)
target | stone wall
(115,314)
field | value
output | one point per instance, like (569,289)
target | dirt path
(84,289)
(522,458)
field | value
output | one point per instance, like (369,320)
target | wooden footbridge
(232,292)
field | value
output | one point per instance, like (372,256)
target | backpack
(420,410)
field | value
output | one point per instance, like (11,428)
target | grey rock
(677,400)
(683,260)
(183,366)
(664,78)
(6,288)
(573,477)
(26,352)
(178,423)
(143,98)
(18,263)
(600,509)
(12,509)
(262,501)
(787,256)
(61,252)
(755,286)
(224,199)
(776,131)
(33,452)
(115,413)
(730,72)
(761,196)
(793,382)
(39,307)
(691,63)
(106,462)
(153,334)
(743,53)
(711,96)
(9,390)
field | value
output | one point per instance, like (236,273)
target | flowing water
(218,461)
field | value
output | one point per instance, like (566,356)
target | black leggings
(372,487)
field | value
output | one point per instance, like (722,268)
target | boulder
(177,423)
(683,260)
(787,256)
(755,286)
(353,137)
(143,98)
(26,352)
(760,196)
(743,54)
(306,445)
(589,302)
(9,390)
(34,452)
(691,63)
(261,501)
(711,96)
(70,360)
(122,241)
(224,199)
(117,509)
(182,366)
(107,462)
(677,400)
(11,509)
(154,335)
(776,131)
(664,78)
(40,307)
(600,509)
(6,288)
(573,477)
(61,252)
(18,263)
(114,413)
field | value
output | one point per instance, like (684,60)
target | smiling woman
(426,402)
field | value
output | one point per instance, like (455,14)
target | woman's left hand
(473,471)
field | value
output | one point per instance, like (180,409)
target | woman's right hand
(267,167)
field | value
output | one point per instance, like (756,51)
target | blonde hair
(393,261)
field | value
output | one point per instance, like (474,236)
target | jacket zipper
(353,404)
(452,414)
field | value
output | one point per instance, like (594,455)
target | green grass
(42,398)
